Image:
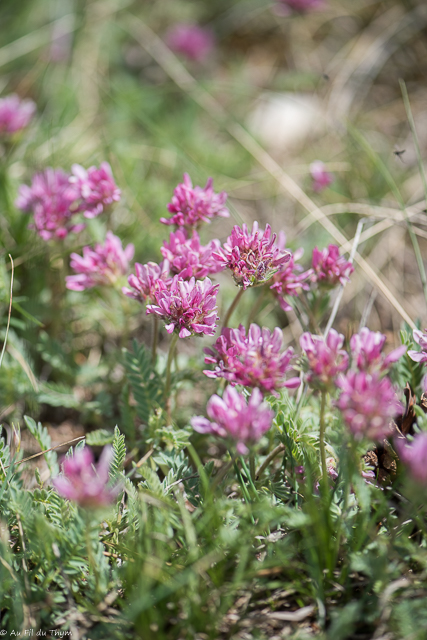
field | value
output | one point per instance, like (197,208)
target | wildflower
(289,281)
(15,114)
(193,205)
(421,339)
(253,258)
(194,42)
(187,257)
(326,358)
(301,6)
(366,347)
(321,177)
(329,267)
(102,265)
(232,417)
(367,403)
(188,307)
(414,456)
(252,360)
(50,198)
(96,188)
(86,483)
(146,280)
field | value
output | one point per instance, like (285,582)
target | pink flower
(50,198)
(15,114)
(301,6)
(366,347)
(329,267)
(100,266)
(188,307)
(232,417)
(421,339)
(414,456)
(289,281)
(253,258)
(86,483)
(187,257)
(194,42)
(96,188)
(368,403)
(147,279)
(253,360)
(326,358)
(193,205)
(321,177)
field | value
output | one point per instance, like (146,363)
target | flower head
(421,339)
(102,265)
(193,205)
(326,358)
(321,177)
(290,280)
(187,307)
(232,417)
(15,114)
(84,482)
(96,188)
(414,456)
(194,42)
(368,402)
(187,257)
(329,267)
(252,360)
(148,279)
(301,6)
(366,347)
(50,198)
(253,257)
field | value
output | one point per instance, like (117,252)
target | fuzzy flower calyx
(252,257)
(326,358)
(15,114)
(329,267)
(368,403)
(84,482)
(191,206)
(187,257)
(233,417)
(189,308)
(252,360)
(102,265)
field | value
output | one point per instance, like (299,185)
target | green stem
(232,307)
(249,477)
(171,353)
(154,338)
(252,466)
(256,307)
(322,443)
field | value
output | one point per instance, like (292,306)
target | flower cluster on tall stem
(243,422)
(321,177)
(329,268)
(326,358)
(191,206)
(15,114)
(188,257)
(96,188)
(366,348)
(252,257)
(188,308)
(102,265)
(147,279)
(254,359)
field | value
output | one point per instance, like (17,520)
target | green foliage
(119,451)
(41,435)
(147,387)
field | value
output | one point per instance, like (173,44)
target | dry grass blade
(41,453)
(179,74)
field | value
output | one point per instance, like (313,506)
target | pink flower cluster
(329,267)
(188,308)
(326,358)
(15,114)
(55,197)
(194,42)
(414,456)
(191,206)
(252,360)
(188,258)
(290,280)
(253,257)
(321,177)
(102,265)
(421,339)
(84,482)
(368,403)
(148,279)
(366,348)
(232,417)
